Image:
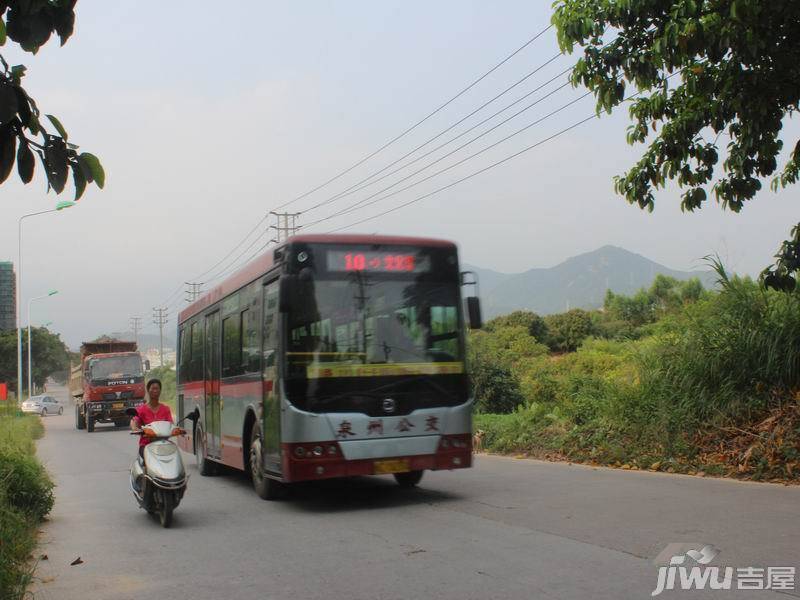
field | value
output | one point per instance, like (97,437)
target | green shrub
(26,496)
(25,484)
(566,331)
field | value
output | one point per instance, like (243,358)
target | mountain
(578,282)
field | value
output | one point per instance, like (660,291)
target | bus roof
(260,265)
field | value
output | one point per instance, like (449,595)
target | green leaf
(79,180)
(8,103)
(25,163)
(23,107)
(8,146)
(34,124)
(55,154)
(59,127)
(92,163)
(2,32)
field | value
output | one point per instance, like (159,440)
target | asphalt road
(507,528)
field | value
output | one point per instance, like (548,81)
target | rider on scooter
(150,411)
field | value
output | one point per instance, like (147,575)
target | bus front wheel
(408,480)
(205,466)
(265,487)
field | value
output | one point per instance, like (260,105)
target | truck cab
(109,380)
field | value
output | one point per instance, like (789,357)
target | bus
(331,356)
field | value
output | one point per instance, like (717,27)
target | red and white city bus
(331,356)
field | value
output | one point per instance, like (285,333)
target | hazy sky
(206,115)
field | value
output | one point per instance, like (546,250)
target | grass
(714,387)
(26,497)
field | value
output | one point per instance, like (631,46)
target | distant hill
(578,282)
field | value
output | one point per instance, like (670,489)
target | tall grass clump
(728,357)
(26,497)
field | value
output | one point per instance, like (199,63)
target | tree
(702,68)
(50,356)
(569,329)
(31,23)
(524,318)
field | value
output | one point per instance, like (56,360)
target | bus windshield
(354,336)
(363,322)
(114,367)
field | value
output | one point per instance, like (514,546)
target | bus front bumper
(301,463)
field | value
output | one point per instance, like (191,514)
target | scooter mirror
(194,415)
(131,412)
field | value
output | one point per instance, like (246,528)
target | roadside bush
(495,388)
(26,496)
(26,485)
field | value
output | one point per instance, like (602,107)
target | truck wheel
(89,424)
(265,487)
(408,480)
(80,422)
(205,466)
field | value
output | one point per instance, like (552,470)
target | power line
(352,190)
(420,122)
(470,176)
(362,203)
(462,146)
(483,170)
(249,233)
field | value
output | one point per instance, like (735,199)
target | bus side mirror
(474,312)
(288,293)
(473,302)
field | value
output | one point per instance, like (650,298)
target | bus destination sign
(376,262)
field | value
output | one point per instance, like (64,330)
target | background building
(8,302)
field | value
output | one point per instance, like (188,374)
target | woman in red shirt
(151,411)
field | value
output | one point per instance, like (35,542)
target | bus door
(271,402)
(213,374)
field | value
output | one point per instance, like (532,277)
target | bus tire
(204,466)
(408,480)
(265,487)
(80,422)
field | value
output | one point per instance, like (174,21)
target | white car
(42,405)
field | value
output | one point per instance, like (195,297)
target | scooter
(159,481)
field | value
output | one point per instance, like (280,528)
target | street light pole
(60,206)
(30,340)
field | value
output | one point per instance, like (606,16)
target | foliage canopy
(31,23)
(703,69)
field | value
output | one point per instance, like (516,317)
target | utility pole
(285,226)
(160,318)
(193,290)
(136,323)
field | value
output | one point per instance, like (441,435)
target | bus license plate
(118,405)
(384,467)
